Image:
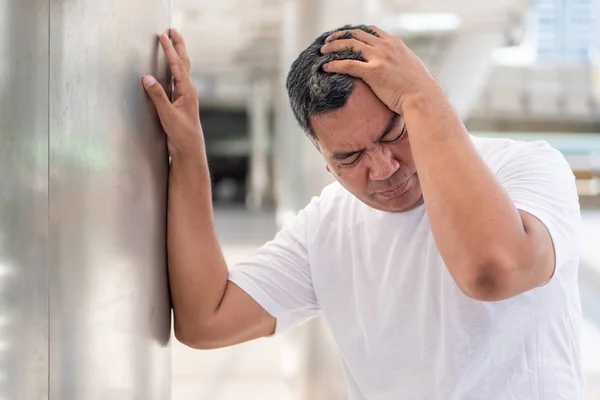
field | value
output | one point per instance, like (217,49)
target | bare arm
(209,311)
(492,250)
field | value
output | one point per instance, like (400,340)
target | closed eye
(355,159)
(397,138)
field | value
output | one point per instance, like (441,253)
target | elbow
(189,336)
(482,287)
(488,281)
(195,336)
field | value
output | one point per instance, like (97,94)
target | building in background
(564,30)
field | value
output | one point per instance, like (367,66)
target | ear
(327,168)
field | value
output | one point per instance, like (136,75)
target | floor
(265,369)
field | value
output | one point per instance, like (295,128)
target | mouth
(394,191)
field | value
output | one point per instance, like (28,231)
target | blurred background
(517,68)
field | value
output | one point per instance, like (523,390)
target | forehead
(359,122)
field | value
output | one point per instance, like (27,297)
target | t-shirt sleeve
(278,277)
(540,182)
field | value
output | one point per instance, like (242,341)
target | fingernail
(149,81)
(324,67)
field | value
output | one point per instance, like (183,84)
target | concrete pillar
(297,29)
(84,304)
(315,373)
(259,102)
(299,168)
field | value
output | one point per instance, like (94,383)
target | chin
(410,199)
(406,202)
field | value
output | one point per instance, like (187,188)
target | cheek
(343,173)
(353,177)
(404,155)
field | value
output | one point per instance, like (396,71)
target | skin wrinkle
(313,91)
(473,221)
(384,163)
(394,80)
(340,113)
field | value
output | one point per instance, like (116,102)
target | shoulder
(505,153)
(491,148)
(333,200)
(333,194)
(321,217)
(535,175)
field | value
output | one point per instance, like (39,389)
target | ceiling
(221,33)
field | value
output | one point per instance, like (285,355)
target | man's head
(363,142)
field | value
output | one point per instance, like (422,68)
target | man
(445,265)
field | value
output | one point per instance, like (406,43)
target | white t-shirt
(403,327)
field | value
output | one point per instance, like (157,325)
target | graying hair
(311,90)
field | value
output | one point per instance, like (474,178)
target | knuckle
(185,67)
(374,28)
(389,53)
(375,66)
(336,44)
(154,90)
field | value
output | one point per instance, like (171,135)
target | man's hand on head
(390,68)
(180,118)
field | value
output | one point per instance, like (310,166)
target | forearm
(475,224)
(197,269)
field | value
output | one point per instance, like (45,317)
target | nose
(383,164)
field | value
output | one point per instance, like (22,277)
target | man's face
(366,148)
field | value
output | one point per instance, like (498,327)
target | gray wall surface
(84,302)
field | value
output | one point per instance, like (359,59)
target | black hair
(311,90)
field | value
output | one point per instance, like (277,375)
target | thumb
(157,94)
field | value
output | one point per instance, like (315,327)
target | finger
(182,78)
(380,32)
(181,49)
(359,34)
(158,95)
(354,68)
(346,45)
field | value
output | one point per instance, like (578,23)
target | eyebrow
(342,155)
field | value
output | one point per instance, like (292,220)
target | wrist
(193,155)
(419,99)
(189,163)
